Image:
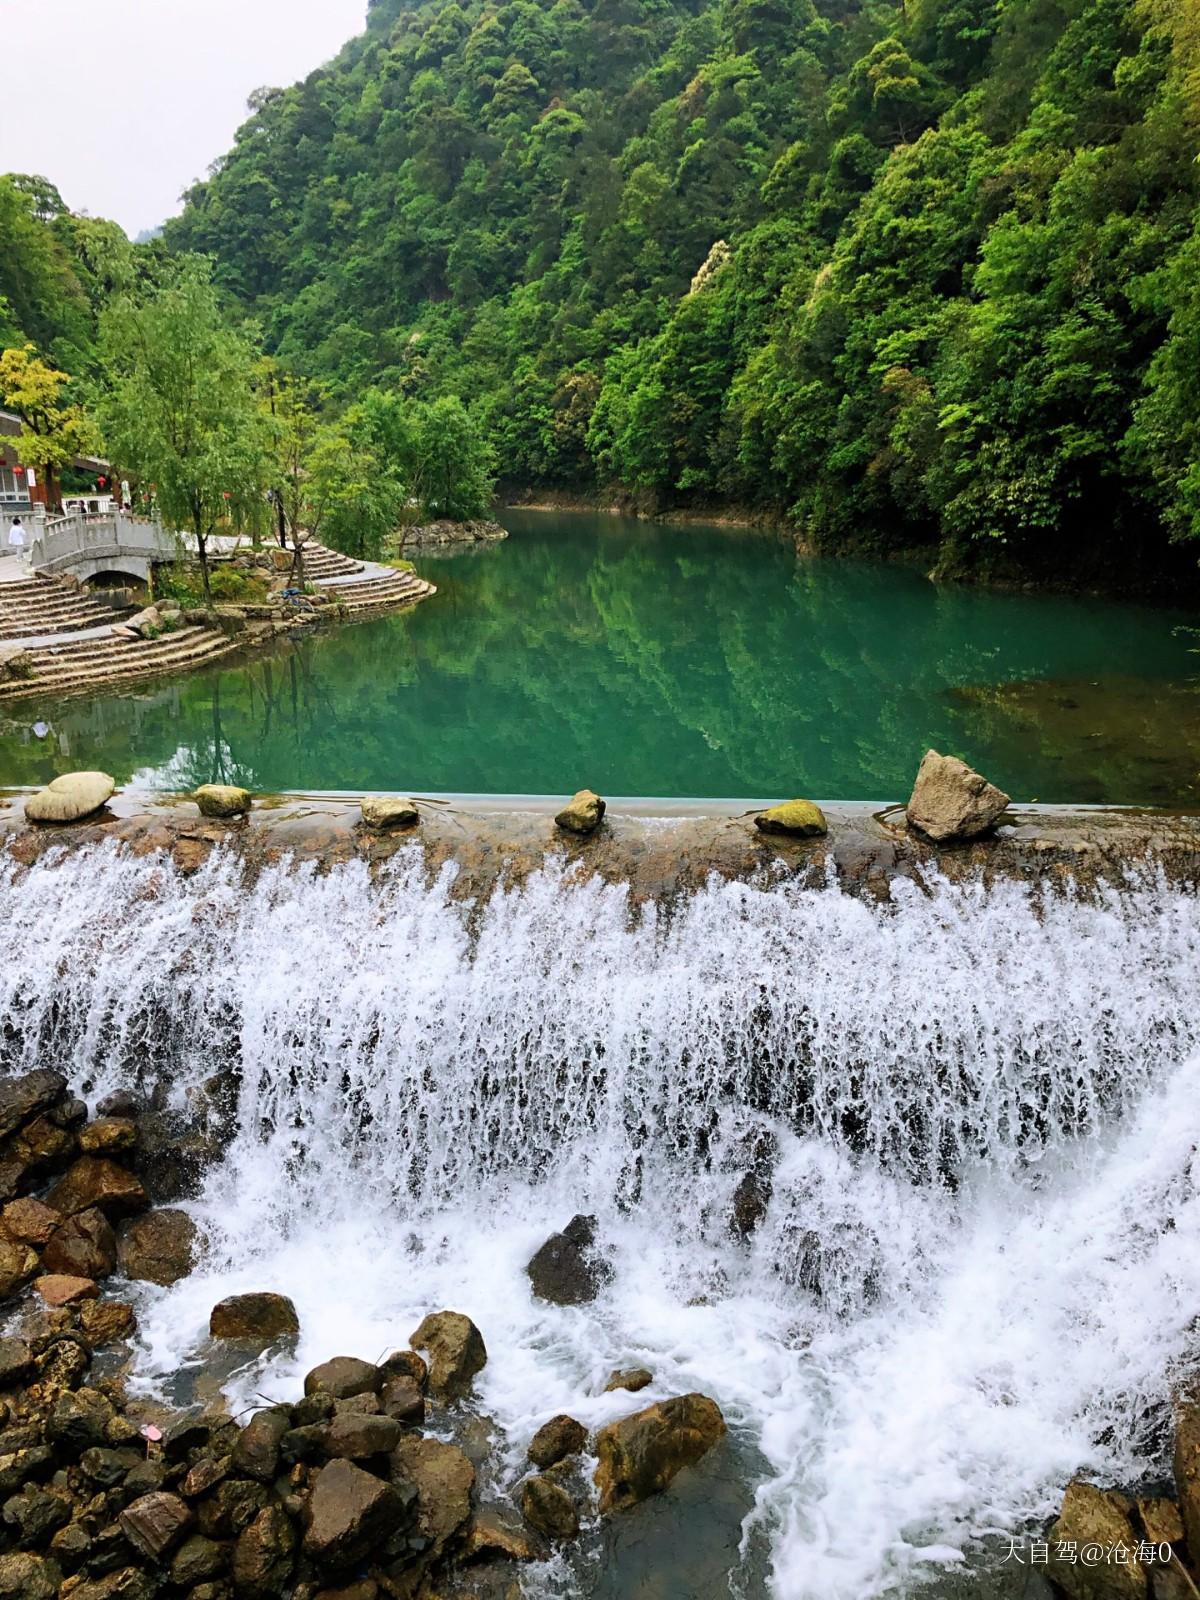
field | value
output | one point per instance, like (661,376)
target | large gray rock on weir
(951,801)
(70,798)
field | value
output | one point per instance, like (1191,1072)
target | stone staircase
(90,664)
(320,562)
(384,593)
(37,606)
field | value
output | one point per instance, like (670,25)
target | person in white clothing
(16,537)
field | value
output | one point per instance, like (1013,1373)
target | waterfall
(972,1113)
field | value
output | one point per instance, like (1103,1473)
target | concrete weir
(658,848)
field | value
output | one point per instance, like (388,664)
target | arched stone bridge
(88,546)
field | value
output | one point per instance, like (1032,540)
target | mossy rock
(800,819)
(222,800)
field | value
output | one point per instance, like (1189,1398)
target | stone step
(79,673)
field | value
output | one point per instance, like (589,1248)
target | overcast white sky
(124,103)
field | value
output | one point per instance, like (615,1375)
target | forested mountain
(914,274)
(57,272)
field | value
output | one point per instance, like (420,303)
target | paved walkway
(14,569)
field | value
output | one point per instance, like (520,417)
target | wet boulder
(158,1247)
(29,1222)
(24,1576)
(952,802)
(383,811)
(199,1560)
(495,1534)
(547,1507)
(79,1420)
(1187,1469)
(634,1379)
(555,1440)
(109,1136)
(71,798)
(357,1435)
(96,1182)
(349,1513)
(18,1263)
(155,1523)
(16,1362)
(222,800)
(582,814)
(59,1289)
(256,1452)
(265,1554)
(25,1097)
(1091,1517)
(344,1377)
(797,819)
(103,1321)
(257,1318)
(84,1246)
(641,1454)
(403,1398)
(568,1270)
(443,1479)
(456,1352)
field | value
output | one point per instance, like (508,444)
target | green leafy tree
(180,411)
(53,432)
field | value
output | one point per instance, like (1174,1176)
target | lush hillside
(917,275)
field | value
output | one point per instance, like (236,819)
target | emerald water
(640,658)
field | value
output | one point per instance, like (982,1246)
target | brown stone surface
(1187,1469)
(97,1181)
(84,1246)
(29,1221)
(951,801)
(18,1263)
(443,1478)
(555,1440)
(109,1136)
(62,1289)
(456,1352)
(348,1513)
(1089,1516)
(104,1321)
(158,1247)
(640,1454)
(260,1317)
(548,1507)
(155,1523)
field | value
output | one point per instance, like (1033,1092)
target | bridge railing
(61,543)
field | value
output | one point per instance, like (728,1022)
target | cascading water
(977,1266)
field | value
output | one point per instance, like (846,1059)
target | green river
(644,659)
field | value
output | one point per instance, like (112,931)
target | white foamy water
(979,1265)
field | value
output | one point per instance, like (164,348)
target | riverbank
(659,849)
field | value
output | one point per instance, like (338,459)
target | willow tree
(180,412)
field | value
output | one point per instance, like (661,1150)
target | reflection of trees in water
(635,659)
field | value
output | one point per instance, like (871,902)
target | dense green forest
(914,276)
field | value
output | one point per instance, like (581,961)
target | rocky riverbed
(356,1488)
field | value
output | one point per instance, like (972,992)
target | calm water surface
(639,658)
